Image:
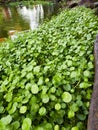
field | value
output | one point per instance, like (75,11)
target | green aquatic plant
(47,75)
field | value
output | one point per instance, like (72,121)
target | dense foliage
(46,76)
(25,2)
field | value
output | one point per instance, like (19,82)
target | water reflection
(6,12)
(33,16)
(16,19)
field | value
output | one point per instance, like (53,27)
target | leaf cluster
(46,75)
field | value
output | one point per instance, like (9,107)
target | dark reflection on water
(16,19)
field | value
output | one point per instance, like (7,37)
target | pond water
(19,18)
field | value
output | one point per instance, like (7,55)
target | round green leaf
(71,114)
(74,128)
(57,106)
(86,73)
(56,127)
(67,97)
(15,125)
(23,109)
(6,120)
(34,89)
(45,98)
(26,125)
(69,63)
(42,111)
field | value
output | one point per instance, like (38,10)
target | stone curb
(93,110)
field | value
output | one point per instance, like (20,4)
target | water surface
(20,18)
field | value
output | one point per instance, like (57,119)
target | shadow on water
(20,18)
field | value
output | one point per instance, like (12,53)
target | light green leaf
(90,65)
(36,69)
(6,120)
(84,85)
(30,68)
(23,109)
(15,125)
(42,111)
(86,73)
(45,98)
(73,74)
(69,63)
(26,125)
(71,114)
(74,128)
(1,109)
(40,81)
(67,97)
(57,106)
(56,127)
(13,109)
(34,89)
(8,96)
